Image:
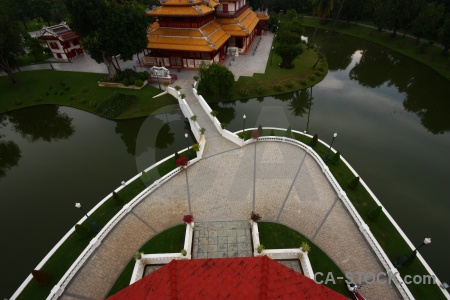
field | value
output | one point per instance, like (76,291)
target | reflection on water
(9,155)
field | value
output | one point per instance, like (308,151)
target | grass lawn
(277,236)
(168,241)
(383,230)
(430,56)
(69,251)
(279,81)
(78,90)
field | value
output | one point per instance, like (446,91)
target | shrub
(260,90)
(182,162)
(142,76)
(115,105)
(202,130)
(305,247)
(147,74)
(82,231)
(129,72)
(41,277)
(194,118)
(278,87)
(321,68)
(303,82)
(117,199)
(166,84)
(195,147)
(375,213)
(354,183)
(137,255)
(138,83)
(131,79)
(177,87)
(125,82)
(214,113)
(188,219)
(289,84)
(336,158)
(312,78)
(260,248)
(223,125)
(183,252)
(318,74)
(314,141)
(182,96)
(196,78)
(92,103)
(255,217)
(244,92)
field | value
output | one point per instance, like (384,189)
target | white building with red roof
(63,42)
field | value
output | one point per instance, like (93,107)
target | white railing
(163,258)
(294,253)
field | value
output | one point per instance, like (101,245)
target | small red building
(62,41)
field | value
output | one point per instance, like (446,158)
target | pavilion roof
(191,10)
(242,25)
(60,32)
(248,278)
(205,39)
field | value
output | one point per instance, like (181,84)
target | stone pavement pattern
(221,189)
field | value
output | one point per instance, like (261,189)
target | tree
(288,44)
(215,79)
(108,28)
(426,23)
(354,183)
(43,9)
(444,35)
(23,11)
(322,9)
(11,42)
(34,47)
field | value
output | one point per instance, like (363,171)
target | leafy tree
(23,11)
(10,155)
(322,9)
(427,21)
(395,14)
(108,28)
(288,44)
(35,47)
(444,35)
(11,42)
(43,9)
(58,12)
(215,79)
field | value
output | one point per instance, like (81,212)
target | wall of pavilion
(187,33)
(63,42)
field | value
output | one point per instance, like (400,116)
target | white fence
(295,253)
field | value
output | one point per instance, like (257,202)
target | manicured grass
(383,230)
(78,90)
(431,55)
(168,241)
(300,77)
(277,236)
(69,251)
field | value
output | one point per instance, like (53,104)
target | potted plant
(195,147)
(183,96)
(305,247)
(182,162)
(202,130)
(214,113)
(260,248)
(183,252)
(255,217)
(188,219)
(194,118)
(177,87)
(138,255)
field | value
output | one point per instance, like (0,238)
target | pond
(52,157)
(392,117)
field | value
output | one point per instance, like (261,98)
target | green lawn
(78,90)
(424,53)
(168,241)
(383,230)
(69,251)
(277,236)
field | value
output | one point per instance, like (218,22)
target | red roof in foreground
(226,278)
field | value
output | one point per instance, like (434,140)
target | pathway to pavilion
(280,181)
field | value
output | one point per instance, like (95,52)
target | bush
(125,82)
(138,83)
(305,247)
(354,183)
(289,84)
(375,213)
(223,125)
(244,92)
(260,248)
(194,118)
(260,90)
(336,158)
(115,105)
(312,78)
(131,79)
(278,87)
(195,147)
(177,87)
(82,231)
(41,277)
(314,141)
(142,76)
(117,199)
(129,72)
(255,217)
(147,74)
(202,130)
(318,74)
(303,82)
(183,252)
(214,113)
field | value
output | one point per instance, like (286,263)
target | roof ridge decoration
(197,8)
(154,7)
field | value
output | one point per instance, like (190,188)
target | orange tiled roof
(242,25)
(263,16)
(249,278)
(196,10)
(213,3)
(205,39)
(180,2)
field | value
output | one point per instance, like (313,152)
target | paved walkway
(280,181)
